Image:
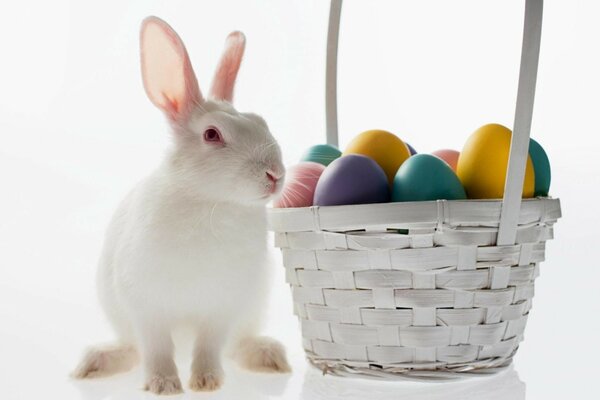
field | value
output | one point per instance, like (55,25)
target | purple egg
(352,179)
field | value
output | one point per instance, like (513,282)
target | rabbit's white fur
(188,247)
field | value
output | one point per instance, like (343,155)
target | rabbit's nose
(273,178)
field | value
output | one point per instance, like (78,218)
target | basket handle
(333,34)
(519,146)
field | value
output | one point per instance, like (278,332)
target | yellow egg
(483,161)
(383,147)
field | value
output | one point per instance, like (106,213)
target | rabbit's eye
(213,135)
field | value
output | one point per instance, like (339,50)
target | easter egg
(541,168)
(449,156)
(483,162)
(352,179)
(426,177)
(322,154)
(383,147)
(411,149)
(299,188)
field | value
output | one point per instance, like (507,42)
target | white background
(76,132)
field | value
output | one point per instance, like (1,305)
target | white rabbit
(188,246)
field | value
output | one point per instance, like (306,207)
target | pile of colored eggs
(378,167)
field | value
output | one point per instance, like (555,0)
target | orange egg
(385,148)
(450,156)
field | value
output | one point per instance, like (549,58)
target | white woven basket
(419,289)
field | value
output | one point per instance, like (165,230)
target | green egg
(541,168)
(425,177)
(322,154)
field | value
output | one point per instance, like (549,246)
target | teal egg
(322,154)
(425,177)
(541,168)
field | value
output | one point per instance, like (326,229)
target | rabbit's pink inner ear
(169,79)
(229,65)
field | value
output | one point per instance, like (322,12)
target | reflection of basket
(421,289)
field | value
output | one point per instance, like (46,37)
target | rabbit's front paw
(106,360)
(164,385)
(207,381)
(263,354)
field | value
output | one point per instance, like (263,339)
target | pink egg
(450,156)
(300,183)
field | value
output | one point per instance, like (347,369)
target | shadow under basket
(415,289)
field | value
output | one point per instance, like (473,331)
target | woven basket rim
(401,204)
(402,214)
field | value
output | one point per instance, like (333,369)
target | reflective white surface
(310,384)
(76,132)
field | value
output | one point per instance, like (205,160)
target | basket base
(409,372)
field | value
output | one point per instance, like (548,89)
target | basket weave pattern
(411,287)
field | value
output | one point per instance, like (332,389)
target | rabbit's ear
(167,73)
(229,65)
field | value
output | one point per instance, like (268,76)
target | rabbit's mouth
(271,193)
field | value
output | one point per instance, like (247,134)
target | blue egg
(541,168)
(425,177)
(411,149)
(322,154)
(352,179)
